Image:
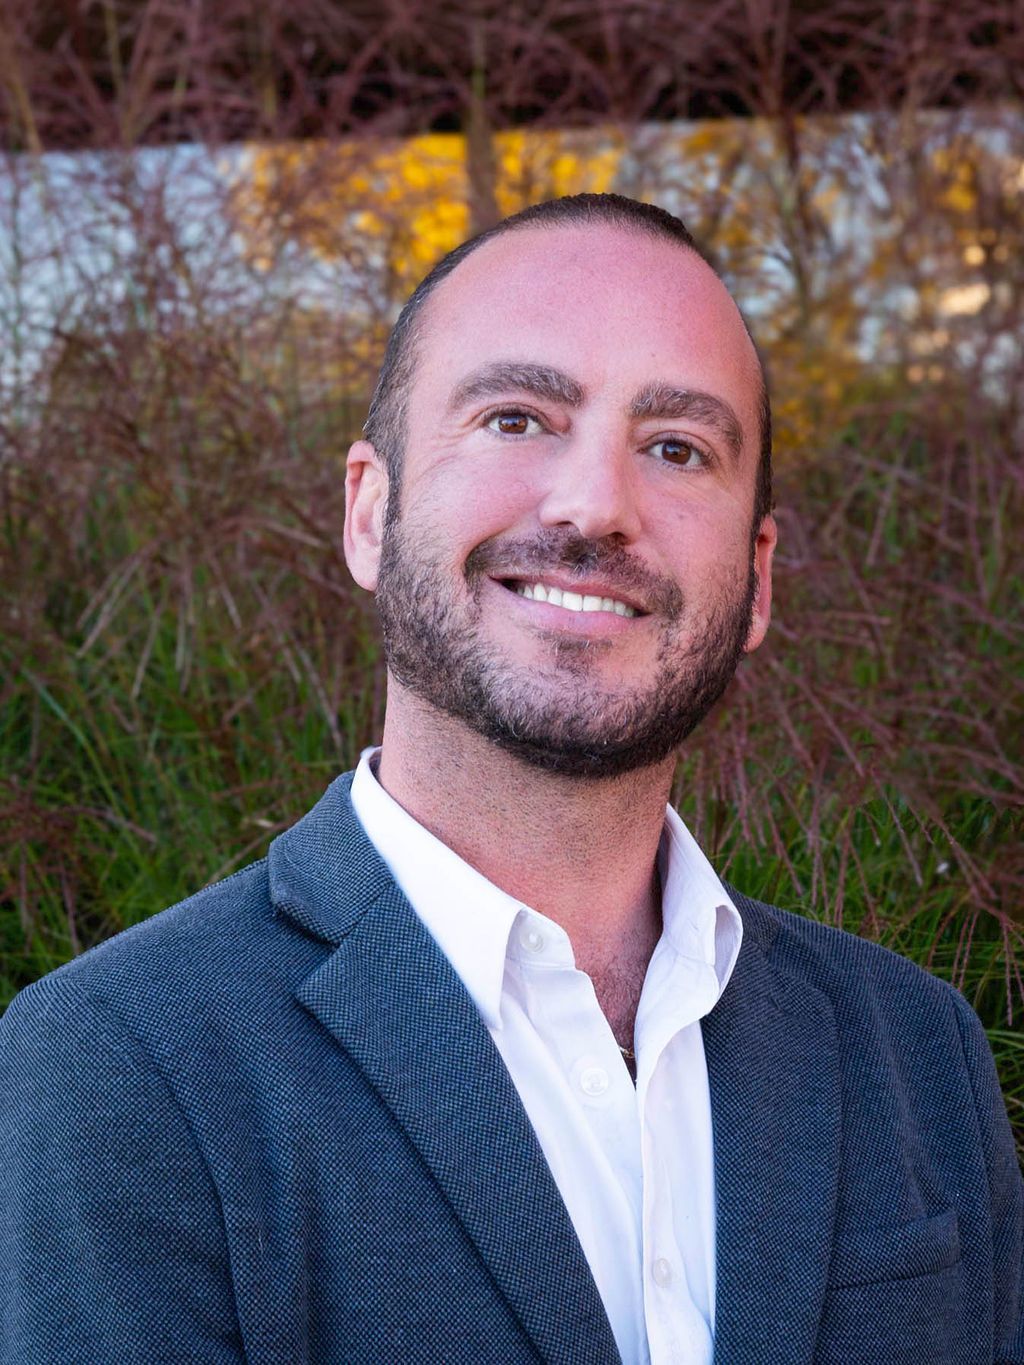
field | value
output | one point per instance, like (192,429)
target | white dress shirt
(633,1165)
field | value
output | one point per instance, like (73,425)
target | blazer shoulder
(225,960)
(914,1033)
(166,965)
(852,971)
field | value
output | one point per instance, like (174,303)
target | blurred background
(210,213)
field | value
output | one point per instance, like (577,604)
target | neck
(581,851)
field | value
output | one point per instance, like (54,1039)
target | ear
(764,551)
(366,495)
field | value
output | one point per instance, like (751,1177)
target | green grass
(116,806)
(186,664)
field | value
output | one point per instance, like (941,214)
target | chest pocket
(894,1296)
(919,1248)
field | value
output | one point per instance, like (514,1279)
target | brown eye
(680,453)
(513,424)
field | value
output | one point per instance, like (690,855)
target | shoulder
(219,971)
(831,956)
(873,992)
(170,977)
(199,928)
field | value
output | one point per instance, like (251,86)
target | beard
(558,716)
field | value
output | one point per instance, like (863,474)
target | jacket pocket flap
(867,1255)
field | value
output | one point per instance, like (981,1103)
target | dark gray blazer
(268,1125)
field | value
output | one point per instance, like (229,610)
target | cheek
(468,511)
(702,532)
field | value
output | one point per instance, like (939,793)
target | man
(483,1063)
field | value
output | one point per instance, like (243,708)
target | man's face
(570,570)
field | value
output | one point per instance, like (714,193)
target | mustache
(563,548)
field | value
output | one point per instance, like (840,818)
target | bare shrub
(208,217)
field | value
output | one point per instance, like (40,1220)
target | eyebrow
(656,402)
(660,402)
(551,385)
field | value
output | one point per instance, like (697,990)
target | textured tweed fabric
(268,1126)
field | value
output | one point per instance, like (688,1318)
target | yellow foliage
(956,173)
(408,199)
(961,197)
(838,259)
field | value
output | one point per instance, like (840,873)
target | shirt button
(594,1080)
(661,1272)
(532,939)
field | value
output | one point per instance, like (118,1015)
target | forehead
(614,307)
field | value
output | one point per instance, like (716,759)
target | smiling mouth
(570,601)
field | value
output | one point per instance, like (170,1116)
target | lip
(593,625)
(586,587)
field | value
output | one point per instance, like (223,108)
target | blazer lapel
(395,1004)
(775,1098)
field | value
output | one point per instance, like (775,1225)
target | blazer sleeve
(113,1247)
(1006,1190)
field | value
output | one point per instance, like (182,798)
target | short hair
(385,425)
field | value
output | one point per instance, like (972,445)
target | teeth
(572,601)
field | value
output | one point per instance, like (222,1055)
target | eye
(512,422)
(674,450)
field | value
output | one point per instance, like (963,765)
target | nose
(592,486)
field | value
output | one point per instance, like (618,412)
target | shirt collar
(699,919)
(471,919)
(695,956)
